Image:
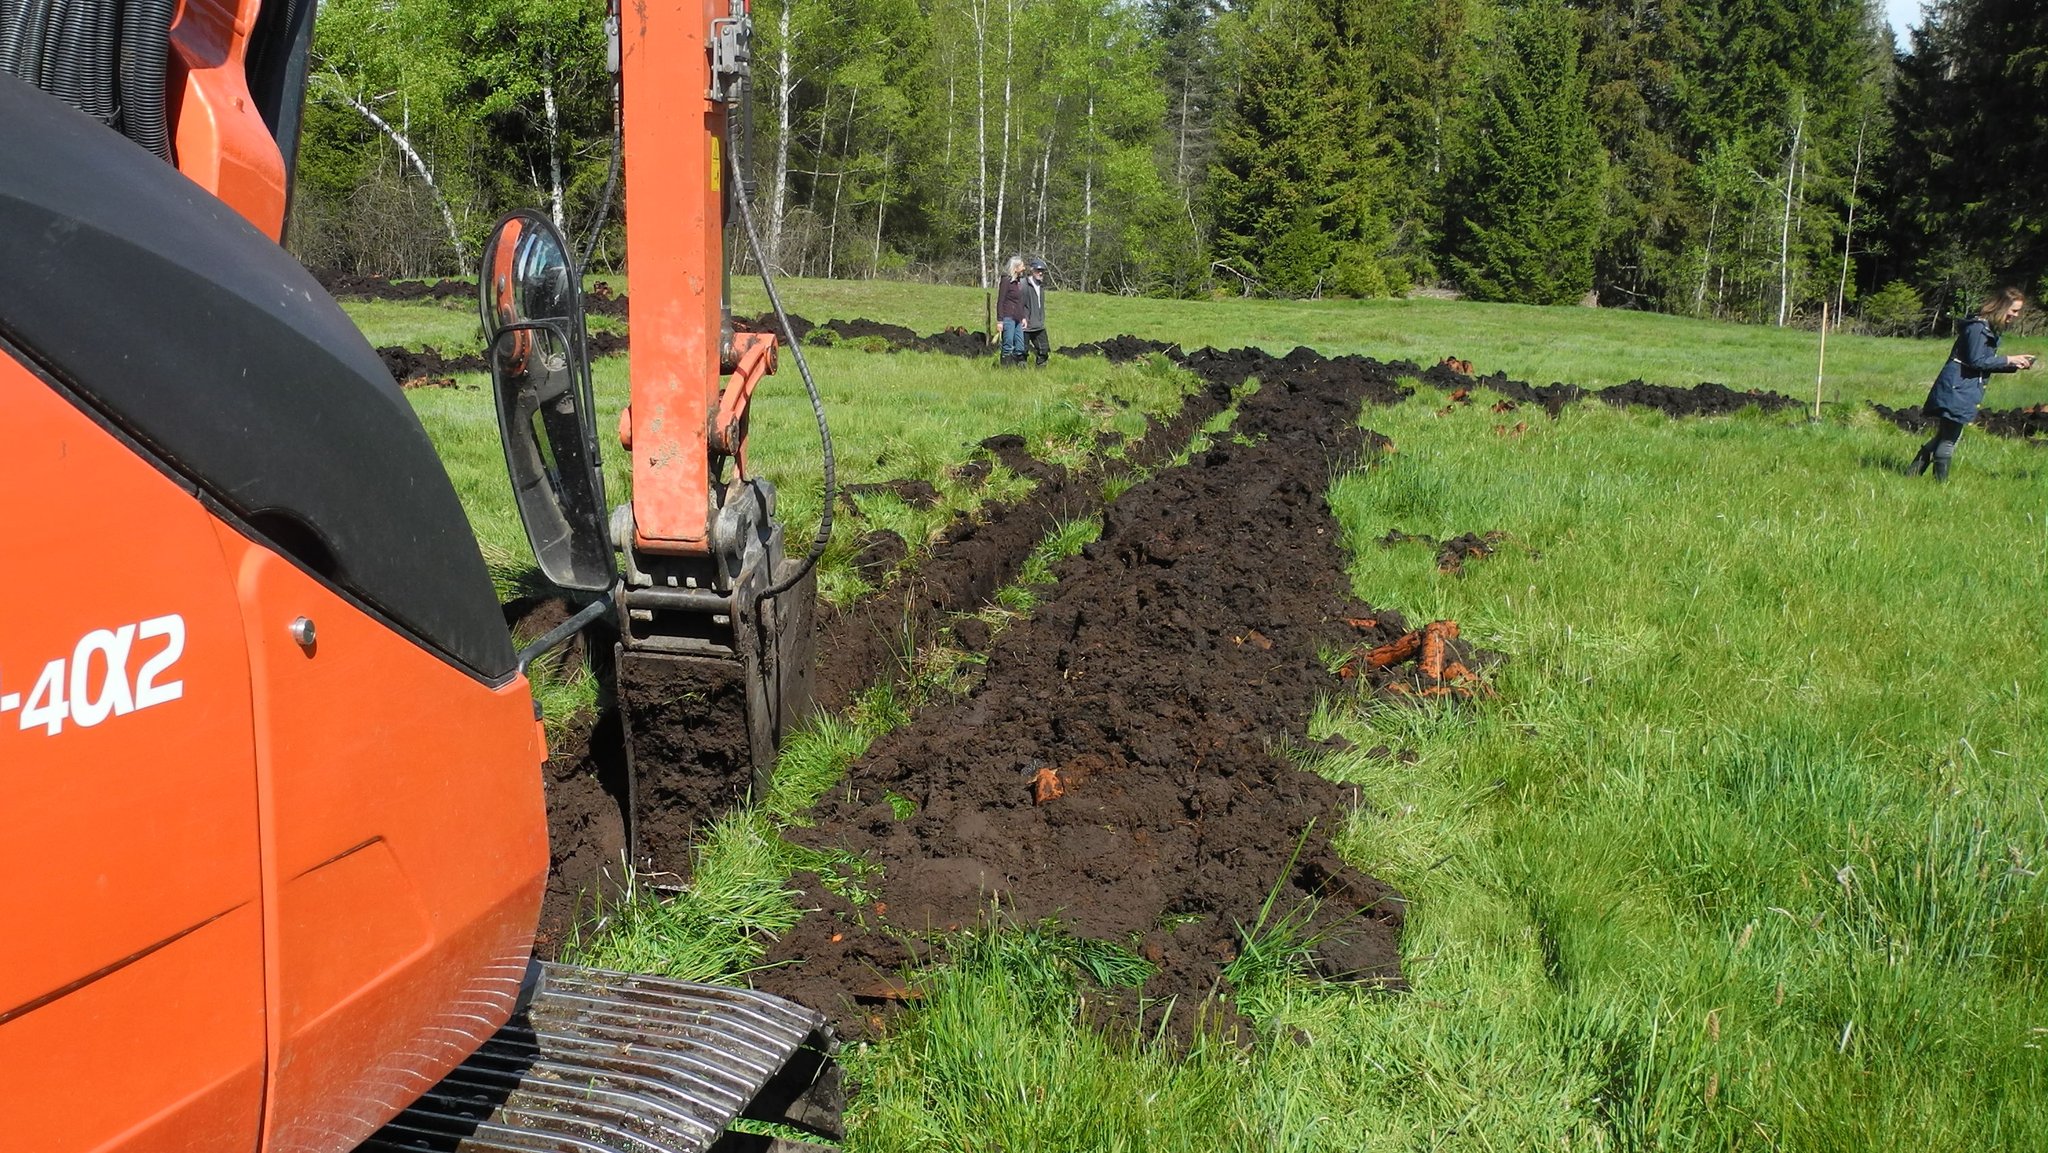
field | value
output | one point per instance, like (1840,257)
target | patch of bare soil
(1121,766)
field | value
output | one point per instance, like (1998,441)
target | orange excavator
(274,835)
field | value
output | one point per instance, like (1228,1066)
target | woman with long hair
(1010,311)
(1959,390)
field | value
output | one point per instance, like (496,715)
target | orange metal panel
(675,260)
(145,1060)
(404,854)
(131,995)
(219,139)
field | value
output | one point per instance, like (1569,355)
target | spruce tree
(1527,208)
(1299,185)
(1966,207)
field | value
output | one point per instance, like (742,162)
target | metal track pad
(603,1062)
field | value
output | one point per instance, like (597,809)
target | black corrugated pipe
(21,39)
(79,64)
(145,61)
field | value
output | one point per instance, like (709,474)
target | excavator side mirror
(532,303)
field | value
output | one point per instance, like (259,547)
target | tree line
(1758,160)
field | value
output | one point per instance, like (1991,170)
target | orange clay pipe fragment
(1435,635)
(1394,651)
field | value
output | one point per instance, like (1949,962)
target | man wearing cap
(1035,340)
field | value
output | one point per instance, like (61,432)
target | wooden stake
(1820,373)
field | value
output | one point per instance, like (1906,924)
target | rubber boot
(1941,472)
(1921,462)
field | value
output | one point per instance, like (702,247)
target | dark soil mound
(1705,399)
(410,366)
(766,322)
(599,300)
(958,342)
(407,364)
(379,288)
(1551,397)
(1117,766)
(953,341)
(2021,423)
(895,337)
(1122,349)
(602,301)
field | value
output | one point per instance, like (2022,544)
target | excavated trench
(1125,765)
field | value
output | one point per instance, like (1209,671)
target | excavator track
(604,1062)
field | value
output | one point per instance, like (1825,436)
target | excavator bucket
(704,715)
(603,1062)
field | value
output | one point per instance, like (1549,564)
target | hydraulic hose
(145,61)
(81,71)
(803,368)
(107,58)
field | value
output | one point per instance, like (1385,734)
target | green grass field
(1746,854)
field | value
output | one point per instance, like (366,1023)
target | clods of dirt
(406,364)
(1451,554)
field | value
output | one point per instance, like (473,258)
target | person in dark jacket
(1959,390)
(1010,312)
(1034,312)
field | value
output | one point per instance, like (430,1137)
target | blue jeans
(1013,338)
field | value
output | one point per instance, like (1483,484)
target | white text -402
(110,673)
